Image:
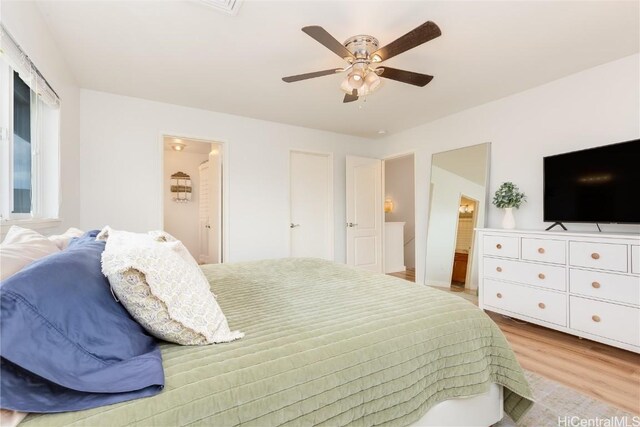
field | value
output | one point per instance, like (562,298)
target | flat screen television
(597,185)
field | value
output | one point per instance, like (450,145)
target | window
(29,138)
(21,146)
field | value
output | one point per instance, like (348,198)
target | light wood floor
(409,274)
(598,370)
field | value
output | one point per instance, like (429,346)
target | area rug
(561,406)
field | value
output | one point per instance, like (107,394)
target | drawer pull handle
(540,250)
(595,255)
(499,269)
(499,295)
(595,285)
(595,318)
(541,276)
(499,246)
(541,305)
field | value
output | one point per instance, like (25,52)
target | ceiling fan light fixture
(372,80)
(355,79)
(346,88)
(361,51)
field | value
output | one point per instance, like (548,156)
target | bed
(326,344)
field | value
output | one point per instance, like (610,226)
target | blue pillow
(67,344)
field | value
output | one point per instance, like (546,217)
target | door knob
(207,226)
(292,225)
(351,224)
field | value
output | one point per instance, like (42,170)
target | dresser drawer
(545,250)
(537,303)
(609,286)
(501,246)
(605,256)
(635,259)
(604,319)
(545,276)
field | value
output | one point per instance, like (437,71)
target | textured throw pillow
(162,287)
(62,240)
(20,248)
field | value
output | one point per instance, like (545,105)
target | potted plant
(507,197)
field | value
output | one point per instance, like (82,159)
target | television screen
(600,185)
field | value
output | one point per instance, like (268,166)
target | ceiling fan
(362,55)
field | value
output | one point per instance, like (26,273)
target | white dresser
(585,284)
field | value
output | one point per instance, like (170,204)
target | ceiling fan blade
(323,37)
(306,76)
(351,98)
(416,37)
(404,76)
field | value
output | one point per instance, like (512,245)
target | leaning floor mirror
(458,202)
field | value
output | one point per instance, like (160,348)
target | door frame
(415,205)
(474,218)
(330,211)
(224,162)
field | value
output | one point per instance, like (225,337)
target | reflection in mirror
(457,205)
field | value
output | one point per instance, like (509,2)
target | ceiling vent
(230,7)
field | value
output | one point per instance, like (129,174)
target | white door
(311,226)
(365,213)
(215,203)
(210,197)
(204,214)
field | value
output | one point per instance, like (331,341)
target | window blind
(11,52)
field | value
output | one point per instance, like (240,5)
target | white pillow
(162,287)
(10,418)
(20,248)
(62,240)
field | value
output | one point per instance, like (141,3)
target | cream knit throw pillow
(162,287)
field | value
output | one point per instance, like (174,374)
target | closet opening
(193,196)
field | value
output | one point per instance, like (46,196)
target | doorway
(311,205)
(193,187)
(467,217)
(399,212)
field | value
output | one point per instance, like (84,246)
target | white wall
(182,220)
(399,187)
(445,203)
(24,21)
(121,170)
(594,107)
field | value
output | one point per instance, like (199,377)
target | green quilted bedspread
(325,345)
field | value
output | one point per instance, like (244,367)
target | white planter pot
(508,221)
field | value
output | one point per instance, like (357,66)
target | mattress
(325,344)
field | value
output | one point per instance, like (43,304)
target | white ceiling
(186,53)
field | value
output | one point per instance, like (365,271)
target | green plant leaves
(508,195)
